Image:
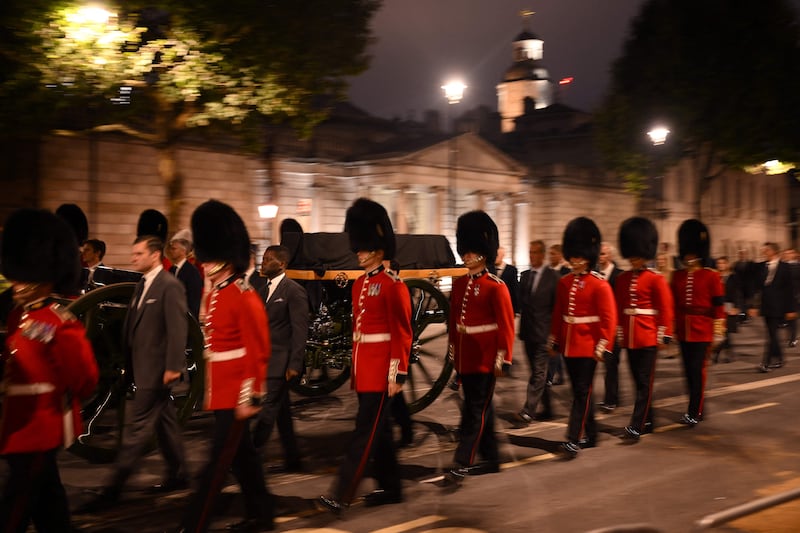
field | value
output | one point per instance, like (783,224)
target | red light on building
(566,81)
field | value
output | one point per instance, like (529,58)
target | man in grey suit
(155,333)
(287,311)
(537,297)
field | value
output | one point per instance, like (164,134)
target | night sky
(421,43)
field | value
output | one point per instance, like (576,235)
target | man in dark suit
(287,312)
(537,297)
(178,252)
(510,276)
(609,270)
(774,283)
(92,253)
(155,333)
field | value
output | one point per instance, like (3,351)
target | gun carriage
(323,263)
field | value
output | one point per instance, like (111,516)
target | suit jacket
(193,283)
(287,314)
(156,331)
(777,298)
(256,281)
(536,308)
(510,278)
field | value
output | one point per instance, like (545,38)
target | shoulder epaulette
(392,274)
(243,284)
(711,269)
(598,275)
(495,278)
(62,312)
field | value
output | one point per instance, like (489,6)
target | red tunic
(699,302)
(49,366)
(644,309)
(381,331)
(237,345)
(584,317)
(481,324)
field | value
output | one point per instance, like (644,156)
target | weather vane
(526,14)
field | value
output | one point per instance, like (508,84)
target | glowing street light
(658,135)
(454,91)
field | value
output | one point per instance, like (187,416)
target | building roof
(526,36)
(529,69)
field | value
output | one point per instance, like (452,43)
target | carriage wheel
(103,312)
(429,367)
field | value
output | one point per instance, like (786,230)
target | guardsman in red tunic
(481,341)
(644,308)
(381,344)
(699,312)
(236,354)
(47,367)
(583,328)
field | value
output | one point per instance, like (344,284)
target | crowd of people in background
(578,311)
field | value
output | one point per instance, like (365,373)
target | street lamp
(658,136)
(454,92)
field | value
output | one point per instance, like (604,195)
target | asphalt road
(745,449)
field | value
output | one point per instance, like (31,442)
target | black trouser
(538,391)
(152,412)
(277,411)
(581,416)
(372,438)
(477,420)
(642,362)
(34,491)
(611,380)
(231,448)
(773,350)
(694,367)
(402,416)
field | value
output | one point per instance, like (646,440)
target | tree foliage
(156,69)
(187,64)
(722,75)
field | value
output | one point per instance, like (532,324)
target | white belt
(580,319)
(367,338)
(471,330)
(30,389)
(224,356)
(637,311)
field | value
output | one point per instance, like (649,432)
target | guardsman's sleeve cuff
(395,376)
(600,349)
(720,328)
(246,391)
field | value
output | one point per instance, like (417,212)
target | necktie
(269,289)
(173,269)
(534,280)
(771,268)
(137,294)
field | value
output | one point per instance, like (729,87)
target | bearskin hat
(476,232)
(292,238)
(75,217)
(693,238)
(369,228)
(40,247)
(220,235)
(638,237)
(582,239)
(152,222)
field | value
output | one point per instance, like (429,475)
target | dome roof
(528,69)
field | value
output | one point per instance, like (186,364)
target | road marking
(413,524)
(751,408)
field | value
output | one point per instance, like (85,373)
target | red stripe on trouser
(703,379)
(221,472)
(362,464)
(585,412)
(486,405)
(649,393)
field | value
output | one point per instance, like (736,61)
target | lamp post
(454,92)
(658,136)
